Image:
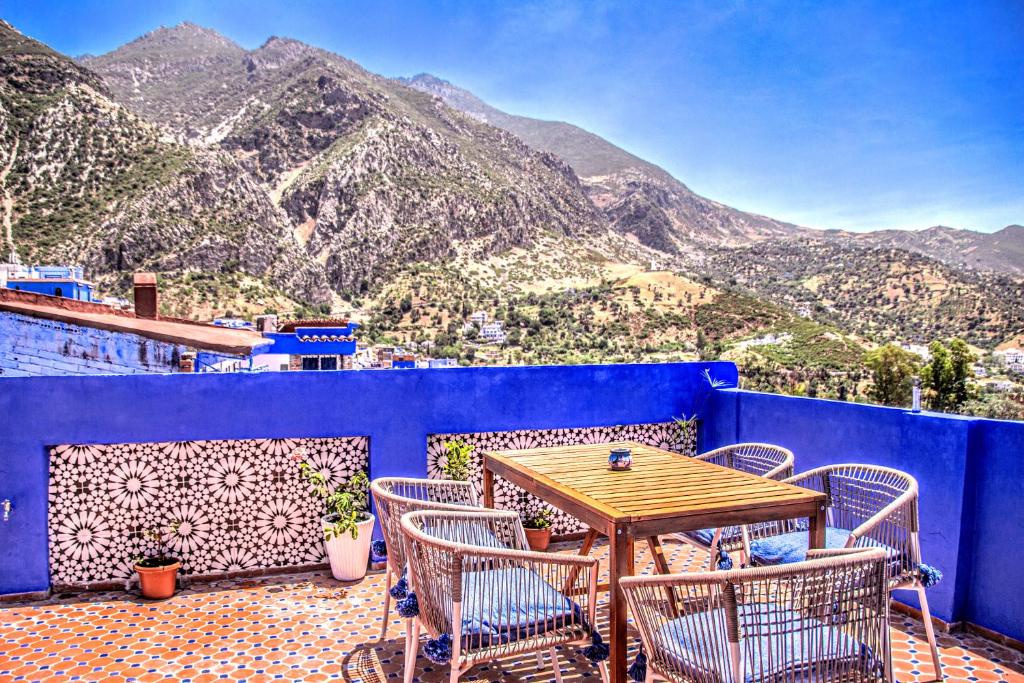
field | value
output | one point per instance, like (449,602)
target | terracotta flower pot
(539,539)
(158,583)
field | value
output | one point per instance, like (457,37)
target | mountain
(638,198)
(287,176)
(371,175)
(83,179)
(1001,251)
(883,293)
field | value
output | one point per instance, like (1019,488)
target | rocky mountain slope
(637,197)
(86,180)
(1001,251)
(371,175)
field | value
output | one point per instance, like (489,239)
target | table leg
(816,529)
(488,486)
(661,565)
(585,548)
(620,564)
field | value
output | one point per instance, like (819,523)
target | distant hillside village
(53,322)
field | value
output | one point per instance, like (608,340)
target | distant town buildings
(321,344)
(1013,359)
(493,332)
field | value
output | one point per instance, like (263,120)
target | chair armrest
(819,553)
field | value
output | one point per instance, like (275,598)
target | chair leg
(453,677)
(929,630)
(603,668)
(387,605)
(540,659)
(555,668)
(412,649)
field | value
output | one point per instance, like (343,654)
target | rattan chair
(393,497)
(486,602)
(825,619)
(868,507)
(762,459)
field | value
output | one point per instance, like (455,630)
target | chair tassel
(439,651)
(400,589)
(597,651)
(379,549)
(724,561)
(638,670)
(408,607)
(929,575)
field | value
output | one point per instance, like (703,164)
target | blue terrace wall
(397,410)
(993,585)
(969,471)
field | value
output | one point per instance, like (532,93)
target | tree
(893,370)
(946,377)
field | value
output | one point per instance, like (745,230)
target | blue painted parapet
(397,410)
(970,473)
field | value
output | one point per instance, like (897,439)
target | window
(57,291)
(328,362)
(310,363)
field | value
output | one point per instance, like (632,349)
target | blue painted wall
(969,471)
(991,589)
(36,346)
(69,289)
(395,409)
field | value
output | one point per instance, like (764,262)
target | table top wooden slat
(660,483)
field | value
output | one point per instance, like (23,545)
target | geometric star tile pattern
(232,504)
(309,627)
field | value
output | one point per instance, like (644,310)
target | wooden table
(663,493)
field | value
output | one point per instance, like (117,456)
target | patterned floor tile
(308,627)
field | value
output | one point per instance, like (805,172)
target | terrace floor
(309,627)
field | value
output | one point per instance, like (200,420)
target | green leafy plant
(457,459)
(346,505)
(541,519)
(161,539)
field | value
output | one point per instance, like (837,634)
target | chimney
(146,304)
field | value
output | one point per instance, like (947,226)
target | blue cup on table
(620,459)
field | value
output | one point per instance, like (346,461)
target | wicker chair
(824,619)
(491,601)
(868,507)
(393,497)
(762,459)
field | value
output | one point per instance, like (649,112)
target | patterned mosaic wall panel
(667,435)
(238,504)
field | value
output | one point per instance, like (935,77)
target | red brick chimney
(146,303)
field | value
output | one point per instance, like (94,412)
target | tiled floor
(309,627)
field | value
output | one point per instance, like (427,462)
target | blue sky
(854,114)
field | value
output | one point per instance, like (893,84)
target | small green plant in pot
(538,528)
(347,523)
(457,460)
(158,572)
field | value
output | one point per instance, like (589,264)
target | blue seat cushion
(772,637)
(506,604)
(705,536)
(469,533)
(792,547)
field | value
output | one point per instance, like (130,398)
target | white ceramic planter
(349,556)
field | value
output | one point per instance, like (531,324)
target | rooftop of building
(236,342)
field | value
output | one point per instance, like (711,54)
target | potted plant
(458,454)
(158,573)
(538,529)
(348,526)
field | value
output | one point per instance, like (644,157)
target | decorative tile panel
(668,435)
(237,504)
